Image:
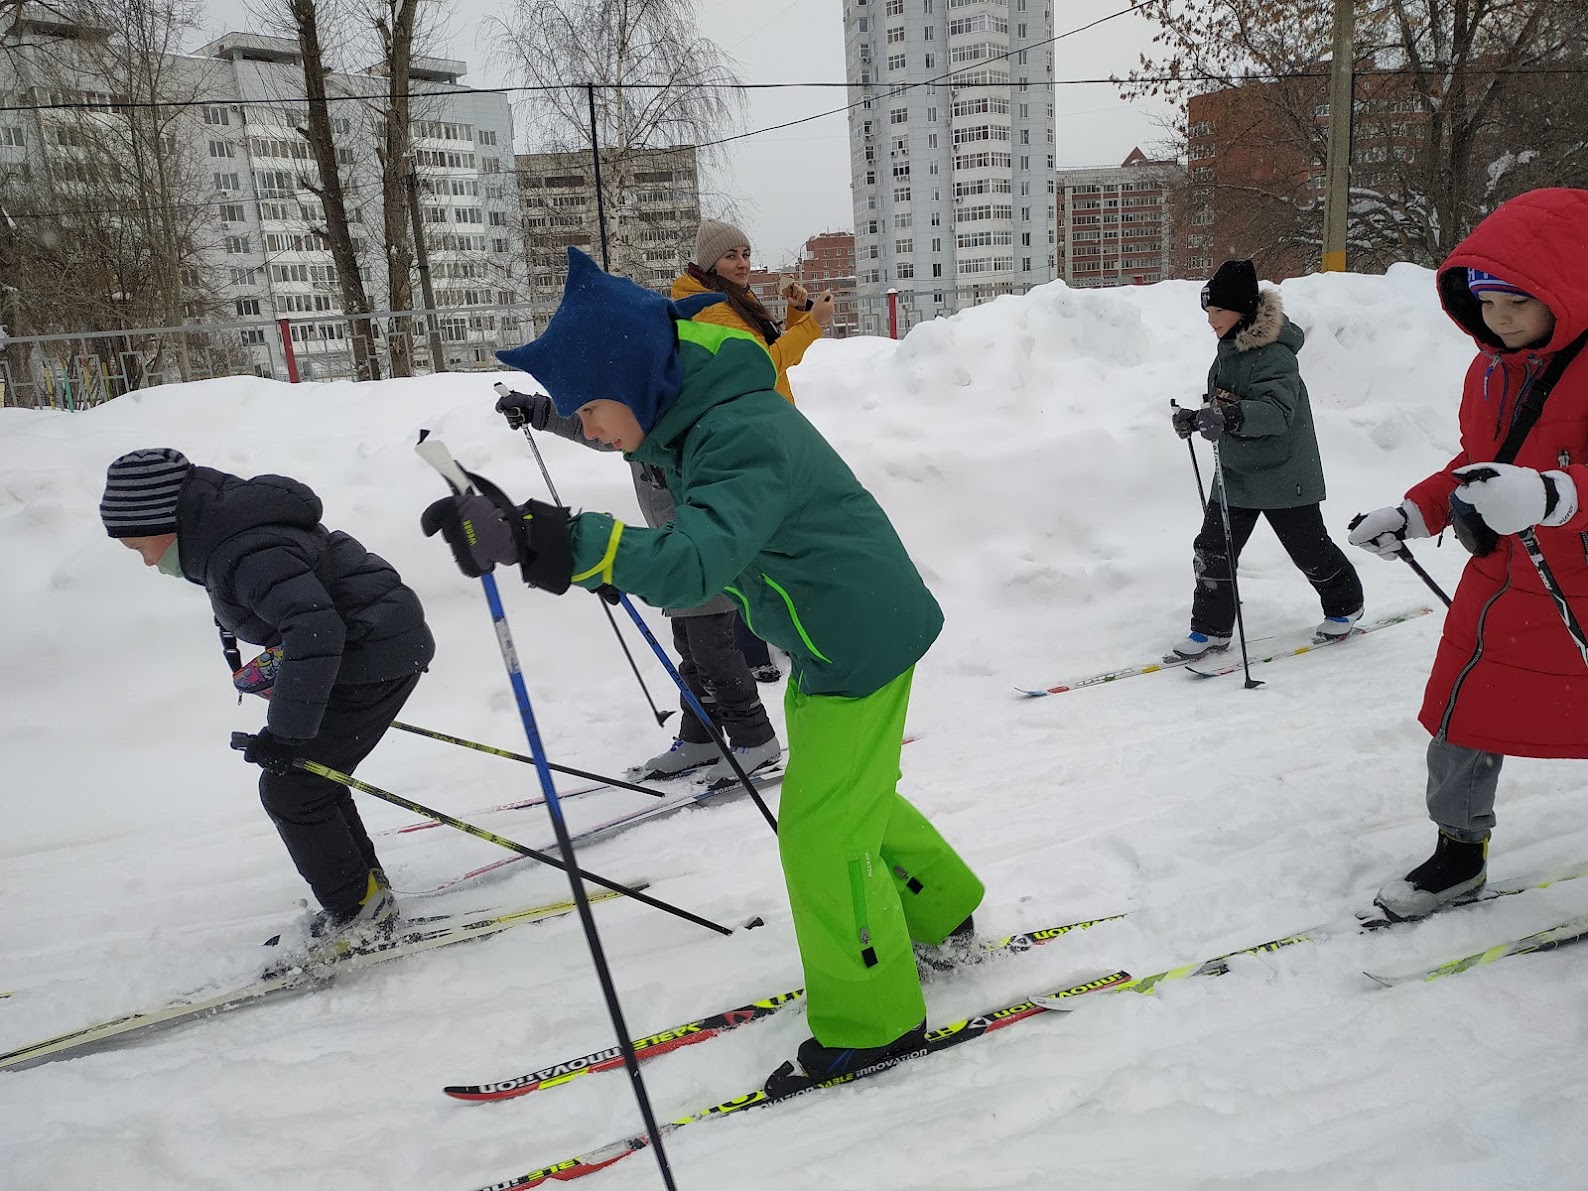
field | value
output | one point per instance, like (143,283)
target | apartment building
(251,218)
(827,262)
(654,213)
(951,153)
(1114,225)
(1256,158)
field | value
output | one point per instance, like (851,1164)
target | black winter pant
(1300,531)
(316,817)
(710,662)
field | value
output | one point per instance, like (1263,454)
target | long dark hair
(743,300)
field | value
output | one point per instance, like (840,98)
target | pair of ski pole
(1403,553)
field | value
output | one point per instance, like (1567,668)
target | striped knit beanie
(1480,282)
(141,491)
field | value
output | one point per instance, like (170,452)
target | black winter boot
(822,1063)
(1456,870)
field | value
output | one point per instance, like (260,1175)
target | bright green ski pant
(866,872)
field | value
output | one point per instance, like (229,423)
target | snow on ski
(700,1030)
(1203,670)
(1573,930)
(936,1041)
(282,979)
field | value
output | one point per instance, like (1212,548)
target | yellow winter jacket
(801,330)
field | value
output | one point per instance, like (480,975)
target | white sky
(793,183)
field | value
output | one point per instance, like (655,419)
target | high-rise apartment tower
(951,152)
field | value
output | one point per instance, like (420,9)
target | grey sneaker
(751,758)
(1335,627)
(682,757)
(1195,645)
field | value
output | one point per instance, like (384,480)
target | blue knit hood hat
(609,340)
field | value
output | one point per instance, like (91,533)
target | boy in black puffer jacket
(352,641)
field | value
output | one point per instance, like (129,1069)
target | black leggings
(717,673)
(1300,531)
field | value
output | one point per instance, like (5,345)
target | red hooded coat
(1507,677)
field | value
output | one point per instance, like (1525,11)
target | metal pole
(1342,91)
(595,157)
(1229,546)
(1547,577)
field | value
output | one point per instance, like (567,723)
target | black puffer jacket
(276,575)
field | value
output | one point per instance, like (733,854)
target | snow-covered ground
(1024,451)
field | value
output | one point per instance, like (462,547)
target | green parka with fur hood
(1272,461)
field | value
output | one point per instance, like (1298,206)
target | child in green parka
(1258,415)
(769,513)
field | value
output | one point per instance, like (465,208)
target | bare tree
(658,84)
(319,132)
(394,23)
(1447,77)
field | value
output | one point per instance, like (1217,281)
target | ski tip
(753,923)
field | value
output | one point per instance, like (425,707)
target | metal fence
(87,368)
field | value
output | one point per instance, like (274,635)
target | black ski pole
(1229,546)
(512,756)
(545,473)
(694,706)
(1196,468)
(1404,553)
(240,742)
(437,455)
(1547,577)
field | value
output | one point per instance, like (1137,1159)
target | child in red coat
(1508,679)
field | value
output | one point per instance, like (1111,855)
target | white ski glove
(1511,499)
(1383,530)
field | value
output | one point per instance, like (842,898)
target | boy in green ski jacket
(769,513)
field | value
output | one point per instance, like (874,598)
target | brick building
(1256,179)
(1114,225)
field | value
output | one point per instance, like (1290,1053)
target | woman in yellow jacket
(722,266)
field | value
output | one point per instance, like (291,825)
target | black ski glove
(1184,420)
(525,409)
(1213,422)
(484,528)
(264,750)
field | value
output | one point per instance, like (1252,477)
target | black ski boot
(1456,870)
(822,1063)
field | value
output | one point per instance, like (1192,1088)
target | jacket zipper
(1477,653)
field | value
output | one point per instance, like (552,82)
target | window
(902,220)
(227,182)
(906,270)
(247,307)
(895,62)
(11,136)
(899,116)
(242,276)
(896,35)
(237,245)
(901,194)
(485,136)
(216,115)
(232,213)
(893,8)
(904,246)
(220,149)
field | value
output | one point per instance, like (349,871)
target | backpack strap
(1533,401)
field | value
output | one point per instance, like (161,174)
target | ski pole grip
(434,452)
(240,741)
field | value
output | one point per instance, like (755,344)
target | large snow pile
(1024,451)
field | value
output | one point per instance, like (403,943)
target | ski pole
(437,455)
(1229,546)
(694,706)
(1404,553)
(1547,577)
(1196,469)
(240,742)
(545,474)
(511,756)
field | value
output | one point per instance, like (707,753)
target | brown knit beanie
(715,240)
